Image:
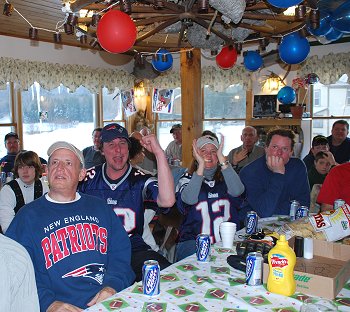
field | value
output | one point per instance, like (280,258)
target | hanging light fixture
(68,29)
(238,47)
(203,6)
(93,43)
(300,11)
(57,38)
(8,9)
(95,19)
(72,19)
(159,4)
(83,39)
(33,33)
(125,6)
(314,19)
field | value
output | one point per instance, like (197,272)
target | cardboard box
(324,275)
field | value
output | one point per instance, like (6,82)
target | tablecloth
(189,285)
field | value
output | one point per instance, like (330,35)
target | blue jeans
(185,249)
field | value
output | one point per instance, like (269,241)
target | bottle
(281,260)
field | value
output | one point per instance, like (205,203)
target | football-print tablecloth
(214,286)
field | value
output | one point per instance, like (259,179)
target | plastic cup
(227,233)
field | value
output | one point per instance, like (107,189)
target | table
(214,286)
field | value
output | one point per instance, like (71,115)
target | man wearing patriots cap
(80,251)
(128,190)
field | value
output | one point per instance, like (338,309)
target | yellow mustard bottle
(281,260)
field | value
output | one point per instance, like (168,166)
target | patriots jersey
(214,206)
(127,198)
(77,248)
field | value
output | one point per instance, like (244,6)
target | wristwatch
(225,163)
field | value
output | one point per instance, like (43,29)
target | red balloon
(116,32)
(227,57)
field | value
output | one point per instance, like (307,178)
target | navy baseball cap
(113,131)
(11,135)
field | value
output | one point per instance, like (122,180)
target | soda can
(254,269)
(294,205)
(151,278)
(203,247)
(10,177)
(251,222)
(301,212)
(338,203)
(3,177)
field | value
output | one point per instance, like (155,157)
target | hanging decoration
(325,25)
(162,60)
(116,32)
(252,60)
(163,101)
(128,102)
(294,49)
(284,4)
(227,57)
(286,95)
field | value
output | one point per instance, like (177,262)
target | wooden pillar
(191,102)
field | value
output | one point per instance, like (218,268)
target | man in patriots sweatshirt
(80,251)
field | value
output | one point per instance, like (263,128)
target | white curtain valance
(329,68)
(50,75)
(217,79)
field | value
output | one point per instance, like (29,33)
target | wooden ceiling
(47,16)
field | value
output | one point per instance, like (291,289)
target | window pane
(5,105)
(229,104)
(176,108)
(163,133)
(3,132)
(57,115)
(324,126)
(231,130)
(331,100)
(112,107)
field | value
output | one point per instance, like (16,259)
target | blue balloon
(163,60)
(284,3)
(252,60)
(341,18)
(286,95)
(334,35)
(294,49)
(325,25)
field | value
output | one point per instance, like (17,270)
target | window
(331,102)
(5,117)
(112,107)
(56,115)
(225,112)
(166,121)
(317,97)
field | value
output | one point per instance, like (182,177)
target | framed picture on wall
(264,105)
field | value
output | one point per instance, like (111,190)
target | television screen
(264,105)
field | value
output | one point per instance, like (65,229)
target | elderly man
(80,251)
(174,149)
(247,152)
(272,181)
(339,143)
(126,189)
(319,144)
(13,148)
(92,154)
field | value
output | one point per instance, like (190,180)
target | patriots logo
(92,270)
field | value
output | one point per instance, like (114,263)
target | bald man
(248,151)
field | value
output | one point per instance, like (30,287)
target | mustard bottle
(281,260)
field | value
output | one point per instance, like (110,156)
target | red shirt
(336,185)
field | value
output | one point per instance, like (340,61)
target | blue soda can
(301,212)
(251,222)
(294,205)
(253,273)
(151,278)
(203,247)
